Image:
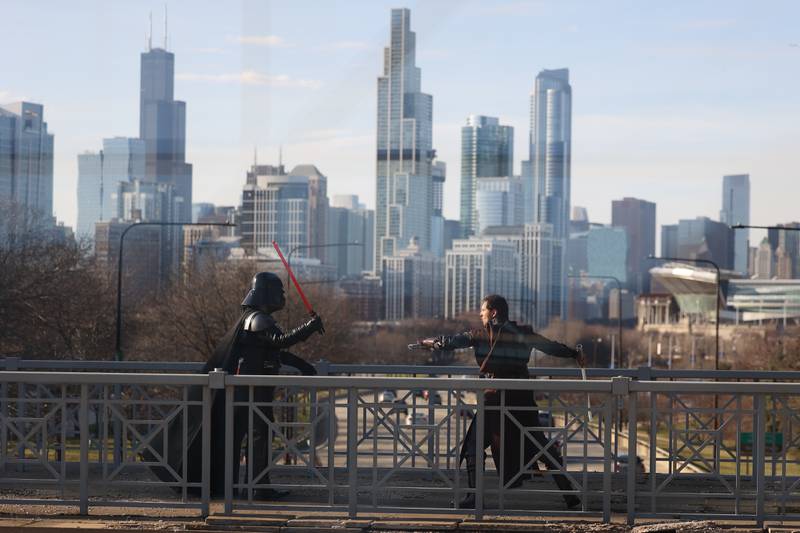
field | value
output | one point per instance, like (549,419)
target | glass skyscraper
(26,158)
(122,159)
(736,210)
(162,126)
(487,150)
(547,183)
(404,184)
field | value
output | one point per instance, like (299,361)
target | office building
(122,159)
(413,284)
(789,243)
(487,150)
(404,187)
(736,210)
(703,238)
(606,253)
(439,174)
(669,240)
(317,209)
(476,267)
(26,159)
(638,219)
(547,177)
(276,208)
(350,222)
(498,202)
(162,127)
(536,246)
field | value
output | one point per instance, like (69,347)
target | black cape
(169,465)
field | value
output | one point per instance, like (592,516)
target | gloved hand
(315,324)
(580,358)
(431,343)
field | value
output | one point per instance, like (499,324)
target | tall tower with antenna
(162,124)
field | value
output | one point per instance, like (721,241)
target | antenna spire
(280,156)
(165,26)
(255,156)
(150,35)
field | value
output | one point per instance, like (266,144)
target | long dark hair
(495,302)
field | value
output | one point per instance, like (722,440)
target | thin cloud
(252,77)
(208,50)
(707,24)
(519,8)
(261,40)
(8,97)
(350,45)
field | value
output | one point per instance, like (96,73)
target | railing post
(759,456)
(352,451)
(633,440)
(620,386)
(229,449)
(479,458)
(83,422)
(215,386)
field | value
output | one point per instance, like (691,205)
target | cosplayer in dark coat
(253,346)
(502,349)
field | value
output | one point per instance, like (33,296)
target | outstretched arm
(449,342)
(264,325)
(545,345)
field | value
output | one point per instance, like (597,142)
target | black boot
(468,501)
(572,501)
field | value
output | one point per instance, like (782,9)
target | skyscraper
(547,187)
(350,221)
(276,208)
(404,187)
(26,158)
(498,202)
(736,210)
(476,267)
(487,150)
(703,238)
(121,160)
(638,219)
(162,126)
(606,252)
(317,209)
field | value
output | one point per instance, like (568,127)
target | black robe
(225,357)
(510,345)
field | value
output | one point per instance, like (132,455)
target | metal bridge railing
(340,443)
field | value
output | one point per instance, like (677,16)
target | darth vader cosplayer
(502,349)
(253,346)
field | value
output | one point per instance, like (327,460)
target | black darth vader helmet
(265,293)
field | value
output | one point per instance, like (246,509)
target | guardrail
(348,447)
(326,368)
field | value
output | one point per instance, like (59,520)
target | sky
(667,96)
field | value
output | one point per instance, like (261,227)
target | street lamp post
(716,267)
(619,306)
(118,341)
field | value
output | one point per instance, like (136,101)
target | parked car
(416,419)
(622,462)
(387,396)
(437,398)
(400,406)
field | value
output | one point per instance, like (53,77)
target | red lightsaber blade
(294,280)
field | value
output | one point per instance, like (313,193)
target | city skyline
(646,134)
